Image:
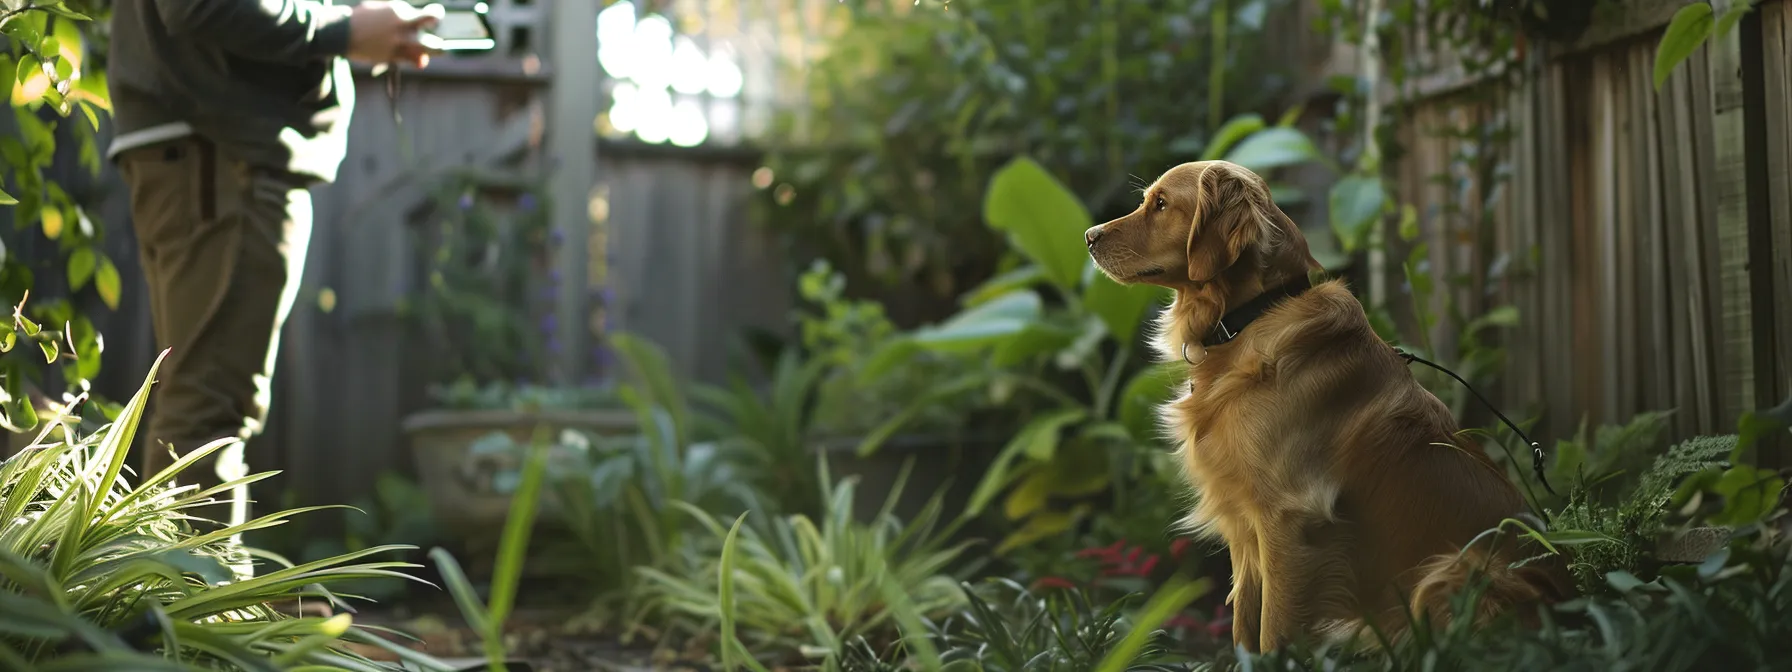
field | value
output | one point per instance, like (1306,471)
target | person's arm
(290,31)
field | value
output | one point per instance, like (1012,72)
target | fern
(1635,522)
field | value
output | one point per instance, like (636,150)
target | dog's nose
(1092,235)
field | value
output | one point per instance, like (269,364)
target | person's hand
(381,31)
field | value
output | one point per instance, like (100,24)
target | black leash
(1536,449)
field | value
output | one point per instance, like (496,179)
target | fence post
(572,166)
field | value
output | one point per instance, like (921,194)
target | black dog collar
(1237,319)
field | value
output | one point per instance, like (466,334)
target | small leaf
(7,199)
(1622,581)
(52,223)
(1409,223)
(1355,204)
(106,280)
(1686,32)
(50,350)
(81,265)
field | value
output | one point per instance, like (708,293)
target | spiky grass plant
(98,573)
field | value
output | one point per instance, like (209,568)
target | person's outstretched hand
(382,31)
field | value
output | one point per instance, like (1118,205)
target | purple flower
(548,323)
(554,277)
(553,345)
(466,201)
(556,235)
(526,202)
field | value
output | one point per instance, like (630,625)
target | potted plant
(483,316)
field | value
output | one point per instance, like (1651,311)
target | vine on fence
(1402,44)
(53,67)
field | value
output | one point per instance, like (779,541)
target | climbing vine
(1408,50)
(55,74)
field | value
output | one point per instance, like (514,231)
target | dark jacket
(262,79)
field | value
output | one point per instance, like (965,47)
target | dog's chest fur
(1244,449)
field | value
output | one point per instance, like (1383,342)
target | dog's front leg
(1305,575)
(1247,595)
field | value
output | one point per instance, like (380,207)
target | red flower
(1046,582)
(1179,547)
(1150,562)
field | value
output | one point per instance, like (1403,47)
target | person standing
(225,113)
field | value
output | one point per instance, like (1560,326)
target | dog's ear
(1232,215)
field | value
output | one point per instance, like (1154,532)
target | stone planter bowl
(465,493)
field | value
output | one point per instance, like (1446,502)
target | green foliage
(100,572)
(487,618)
(809,585)
(913,109)
(870,373)
(1004,627)
(53,65)
(478,310)
(1633,524)
(620,509)
(463,394)
(1690,28)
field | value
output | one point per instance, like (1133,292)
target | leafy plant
(484,262)
(1005,627)
(98,571)
(487,618)
(886,180)
(810,585)
(54,64)
(463,394)
(1079,442)
(843,335)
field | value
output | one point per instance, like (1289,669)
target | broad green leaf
(1039,437)
(1355,204)
(107,282)
(1148,390)
(1686,32)
(1038,338)
(1043,525)
(1042,218)
(1235,129)
(81,264)
(1000,285)
(1750,493)
(1120,307)
(986,324)
(1759,423)
(1273,148)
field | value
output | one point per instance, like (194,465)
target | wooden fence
(688,270)
(1644,236)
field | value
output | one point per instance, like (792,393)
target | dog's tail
(1502,573)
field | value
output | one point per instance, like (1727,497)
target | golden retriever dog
(1339,484)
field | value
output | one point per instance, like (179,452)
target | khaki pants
(222,246)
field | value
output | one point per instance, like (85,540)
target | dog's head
(1197,222)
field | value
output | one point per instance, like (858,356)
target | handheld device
(460,30)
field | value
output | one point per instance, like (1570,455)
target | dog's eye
(1160,204)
